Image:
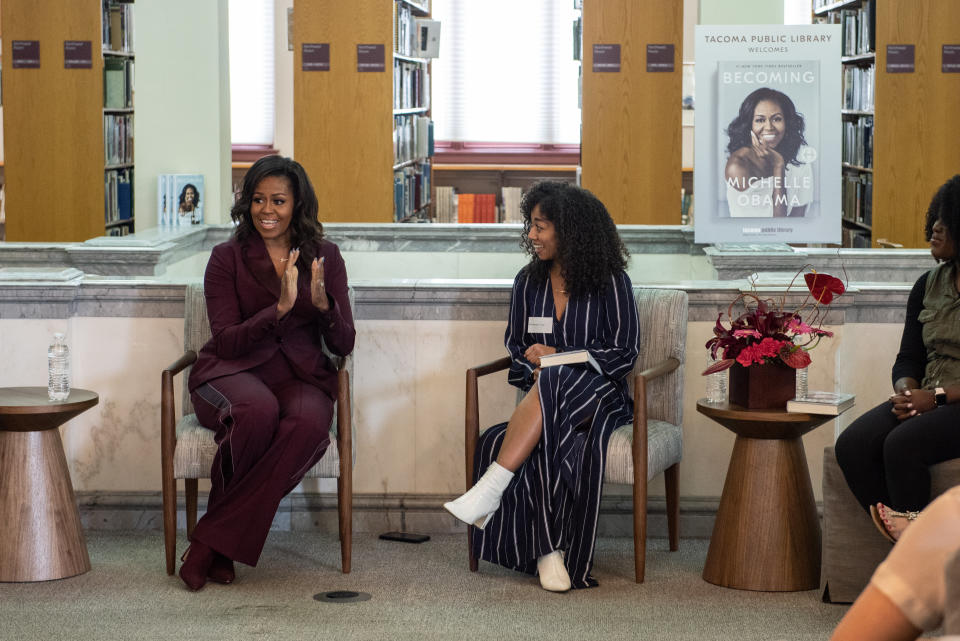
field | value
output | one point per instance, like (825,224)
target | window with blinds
(252,100)
(506,72)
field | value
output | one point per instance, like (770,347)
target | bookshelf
(364,137)
(631,119)
(857,19)
(54,120)
(896,150)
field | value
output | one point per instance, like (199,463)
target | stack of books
(828,403)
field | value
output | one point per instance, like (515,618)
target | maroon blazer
(242,291)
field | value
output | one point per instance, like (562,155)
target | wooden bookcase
(913,148)
(343,118)
(53,122)
(631,135)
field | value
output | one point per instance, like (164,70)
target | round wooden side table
(40,534)
(767,533)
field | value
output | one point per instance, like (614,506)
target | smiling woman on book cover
(768,173)
(536,504)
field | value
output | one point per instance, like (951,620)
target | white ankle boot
(553,573)
(483,499)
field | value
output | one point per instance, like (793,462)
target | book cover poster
(180,199)
(767,134)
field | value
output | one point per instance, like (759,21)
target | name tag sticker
(540,325)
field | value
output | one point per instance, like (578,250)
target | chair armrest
(189,358)
(168,421)
(639,445)
(663,367)
(491,367)
(471,422)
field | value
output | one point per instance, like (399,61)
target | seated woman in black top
(885,454)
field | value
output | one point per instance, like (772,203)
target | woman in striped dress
(536,505)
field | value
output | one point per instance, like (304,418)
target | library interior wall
(182,85)
(408,398)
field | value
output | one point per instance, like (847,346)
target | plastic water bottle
(58,369)
(802,388)
(716,385)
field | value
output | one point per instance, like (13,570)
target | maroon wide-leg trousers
(271,428)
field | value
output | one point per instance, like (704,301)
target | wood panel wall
(631,146)
(917,129)
(343,120)
(53,124)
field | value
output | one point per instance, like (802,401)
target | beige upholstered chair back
(663,334)
(196,333)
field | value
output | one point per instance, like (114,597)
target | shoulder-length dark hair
(196,195)
(740,127)
(305,230)
(588,246)
(945,207)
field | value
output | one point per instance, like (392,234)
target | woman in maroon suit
(262,382)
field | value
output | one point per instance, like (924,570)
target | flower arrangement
(767,333)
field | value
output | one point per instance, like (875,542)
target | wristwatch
(940,396)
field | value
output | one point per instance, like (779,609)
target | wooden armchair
(187,448)
(654,442)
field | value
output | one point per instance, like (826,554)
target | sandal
(881,515)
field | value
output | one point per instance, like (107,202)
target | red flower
(765,332)
(823,287)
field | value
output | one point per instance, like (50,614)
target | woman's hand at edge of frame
(318,290)
(288,285)
(535,351)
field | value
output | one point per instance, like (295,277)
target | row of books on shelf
(411,192)
(858,142)
(118,200)
(858,27)
(857,197)
(858,84)
(857,238)
(412,138)
(411,85)
(686,207)
(118,138)
(405,30)
(117,83)
(117,25)
(578,38)
(451,207)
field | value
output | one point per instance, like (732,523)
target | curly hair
(945,207)
(305,230)
(183,195)
(740,127)
(589,248)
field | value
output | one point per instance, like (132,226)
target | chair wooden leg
(345,513)
(190,494)
(473,557)
(170,521)
(671,477)
(640,528)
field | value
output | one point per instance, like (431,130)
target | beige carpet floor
(418,592)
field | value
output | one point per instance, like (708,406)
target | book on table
(832,403)
(570,358)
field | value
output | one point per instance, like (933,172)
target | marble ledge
(854,265)
(410,299)
(150,252)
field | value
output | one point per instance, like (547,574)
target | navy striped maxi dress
(553,501)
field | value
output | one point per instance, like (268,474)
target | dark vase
(767,386)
